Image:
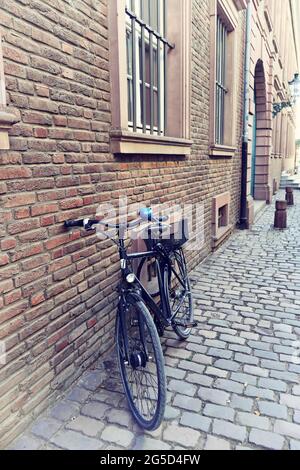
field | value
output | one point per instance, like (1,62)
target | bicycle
(137,331)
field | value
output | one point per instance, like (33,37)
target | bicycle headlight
(130,278)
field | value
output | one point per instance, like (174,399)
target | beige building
(274,61)
(136,98)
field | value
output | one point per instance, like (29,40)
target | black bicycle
(139,351)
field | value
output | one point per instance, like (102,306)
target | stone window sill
(129,143)
(221,151)
(6,122)
(221,235)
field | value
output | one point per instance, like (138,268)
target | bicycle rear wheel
(178,291)
(142,372)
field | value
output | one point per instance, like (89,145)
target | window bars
(147,51)
(221,89)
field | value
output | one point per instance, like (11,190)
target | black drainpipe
(243,224)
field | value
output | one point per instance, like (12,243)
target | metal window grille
(221,89)
(147,51)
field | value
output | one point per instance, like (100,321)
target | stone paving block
(246,359)
(174,373)
(296,417)
(191,366)
(294,445)
(202,359)
(195,421)
(253,421)
(296,390)
(287,429)
(243,378)
(259,345)
(187,403)
(265,364)
(253,370)
(233,339)
(273,409)
(214,372)
(240,349)
(119,436)
(121,417)
(146,443)
(232,431)
(64,410)
(256,392)
(182,387)
(220,353)
(92,380)
(178,353)
(214,396)
(78,394)
(45,427)
(27,442)
(265,355)
(217,411)
(95,410)
(181,435)
(171,413)
(199,379)
(88,426)
(265,439)
(291,401)
(285,376)
(229,386)
(71,440)
(227,365)
(215,443)
(241,403)
(271,384)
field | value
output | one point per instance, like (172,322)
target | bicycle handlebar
(88,224)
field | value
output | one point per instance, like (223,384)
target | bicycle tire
(187,313)
(144,318)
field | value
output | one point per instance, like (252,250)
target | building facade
(101,99)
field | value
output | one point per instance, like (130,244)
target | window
(6,119)
(227,59)
(146,65)
(221,90)
(2,83)
(221,226)
(150,79)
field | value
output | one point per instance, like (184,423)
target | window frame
(176,140)
(7,119)
(221,80)
(159,89)
(228,11)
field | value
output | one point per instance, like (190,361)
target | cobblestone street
(234,385)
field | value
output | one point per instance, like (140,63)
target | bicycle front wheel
(142,368)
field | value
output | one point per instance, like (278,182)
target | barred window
(147,51)
(221,90)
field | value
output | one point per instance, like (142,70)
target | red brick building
(93,106)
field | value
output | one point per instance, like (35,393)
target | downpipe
(243,222)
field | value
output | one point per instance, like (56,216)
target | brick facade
(57,289)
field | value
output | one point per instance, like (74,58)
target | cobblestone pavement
(234,385)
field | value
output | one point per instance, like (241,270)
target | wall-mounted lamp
(294,93)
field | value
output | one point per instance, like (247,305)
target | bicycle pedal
(184,324)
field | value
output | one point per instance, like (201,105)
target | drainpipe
(243,224)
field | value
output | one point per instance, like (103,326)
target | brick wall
(57,294)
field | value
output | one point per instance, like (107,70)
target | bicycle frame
(137,289)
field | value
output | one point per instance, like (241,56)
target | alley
(234,385)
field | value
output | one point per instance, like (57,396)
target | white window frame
(139,122)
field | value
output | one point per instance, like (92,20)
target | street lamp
(294,95)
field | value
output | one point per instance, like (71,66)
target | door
(253,163)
